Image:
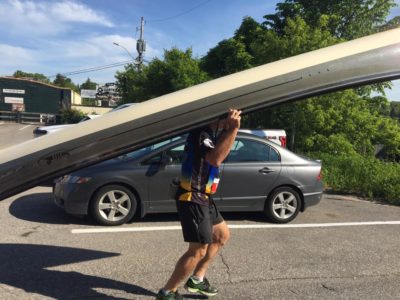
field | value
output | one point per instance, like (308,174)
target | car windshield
(143,151)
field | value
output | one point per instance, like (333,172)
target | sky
(50,37)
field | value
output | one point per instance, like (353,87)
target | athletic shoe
(203,287)
(170,296)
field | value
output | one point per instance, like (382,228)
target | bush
(70,116)
(365,176)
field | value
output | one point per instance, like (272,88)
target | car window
(273,155)
(176,154)
(244,150)
(143,151)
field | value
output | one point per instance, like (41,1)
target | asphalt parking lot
(344,248)
(12,133)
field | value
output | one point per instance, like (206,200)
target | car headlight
(75,179)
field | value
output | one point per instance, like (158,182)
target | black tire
(113,205)
(282,205)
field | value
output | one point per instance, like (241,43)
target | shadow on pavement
(41,208)
(24,266)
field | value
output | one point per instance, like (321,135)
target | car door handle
(266,170)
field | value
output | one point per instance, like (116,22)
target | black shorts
(197,221)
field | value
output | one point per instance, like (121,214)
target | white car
(277,136)
(40,131)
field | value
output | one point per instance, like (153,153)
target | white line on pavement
(24,127)
(233,226)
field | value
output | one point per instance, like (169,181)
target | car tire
(282,205)
(113,205)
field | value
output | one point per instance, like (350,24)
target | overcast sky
(51,37)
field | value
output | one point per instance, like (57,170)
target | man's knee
(197,250)
(221,234)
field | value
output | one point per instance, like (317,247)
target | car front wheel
(283,205)
(113,205)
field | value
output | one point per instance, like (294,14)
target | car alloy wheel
(113,205)
(283,205)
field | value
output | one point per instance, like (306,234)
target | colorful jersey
(199,179)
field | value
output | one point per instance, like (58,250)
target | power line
(180,14)
(93,69)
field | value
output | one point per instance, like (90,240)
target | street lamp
(116,44)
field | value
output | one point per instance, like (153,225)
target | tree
(228,57)
(395,110)
(88,85)
(298,37)
(177,70)
(348,19)
(337,123)
(248,31)
(63,81)
(33,76)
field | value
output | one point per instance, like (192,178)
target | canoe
(362,61)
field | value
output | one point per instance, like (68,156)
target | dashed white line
(24,127)
(233,226)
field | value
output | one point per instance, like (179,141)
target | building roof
(34,81)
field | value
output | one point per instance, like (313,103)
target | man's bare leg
(186,264)
(220,237)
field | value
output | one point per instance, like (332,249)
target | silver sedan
(258,175)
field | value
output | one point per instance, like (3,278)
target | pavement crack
(228,270)
(28,233)
(328,287)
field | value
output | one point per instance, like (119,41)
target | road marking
(24,127)
(233,226)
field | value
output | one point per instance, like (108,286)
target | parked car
(277,136)
(42,130)
(258,175)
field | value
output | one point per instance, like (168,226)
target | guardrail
(28,117)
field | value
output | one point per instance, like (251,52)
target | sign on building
(109,92)
(13,91)
(88,94)
(14,100)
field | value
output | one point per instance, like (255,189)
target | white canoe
(366,60)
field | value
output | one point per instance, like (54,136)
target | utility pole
(141,45)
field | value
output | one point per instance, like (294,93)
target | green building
(25,95)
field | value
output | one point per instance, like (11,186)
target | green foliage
(63,81)
(248,31)
(297,37)
(176,71)
(88,85)
(88,101)
(348,19)
(368,177)
(336,123)
(395,110)
(71,116)
(33,76)
(228,57)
